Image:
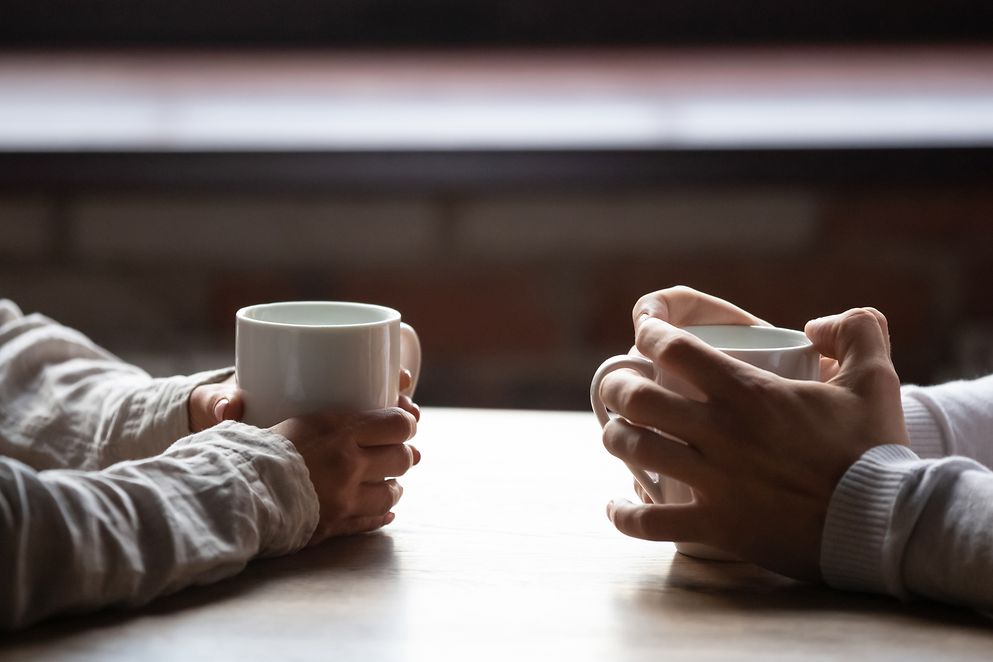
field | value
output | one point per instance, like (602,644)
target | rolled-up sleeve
(69,404)
(78,540)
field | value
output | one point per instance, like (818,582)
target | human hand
(212,403)
(763,453)
(353,460)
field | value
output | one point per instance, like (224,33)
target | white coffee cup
(300,357)
(785,352)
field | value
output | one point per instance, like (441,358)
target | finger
(682,522)
(857,339)
(387,461)
(382,427)
(377,498)
(231,408)
(642,494)
(355,525)
(691,359)
(683,306)
(828,369)
(405,379)
(642,448)
(410,406)
(349,526)
(644,402)
(884,326)
(853,335)
(209,404)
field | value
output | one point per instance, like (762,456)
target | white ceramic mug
(299,357)
(785,352)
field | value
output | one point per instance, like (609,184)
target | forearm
(68,403)
(910,527)
(133,418)
(72,541)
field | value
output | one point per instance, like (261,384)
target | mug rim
(391,314)
(803,344)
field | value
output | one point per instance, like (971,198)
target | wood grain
(501,549)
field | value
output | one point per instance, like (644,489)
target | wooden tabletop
(501,550)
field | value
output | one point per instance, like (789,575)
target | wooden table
(501,550)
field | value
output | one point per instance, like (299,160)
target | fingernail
(417,454)
(610,510)
(389,518)
(642,316)
(219,408)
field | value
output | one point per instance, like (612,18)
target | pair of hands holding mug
(762,453)
(353,458)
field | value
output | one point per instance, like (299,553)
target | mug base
(704,552)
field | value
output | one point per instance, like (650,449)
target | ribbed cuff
(856,546)
(926,438)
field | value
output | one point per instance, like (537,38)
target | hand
(353,459)
(762,453)
(212,403)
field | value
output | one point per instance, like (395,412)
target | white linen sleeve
(70,404)
(75,541)
(909,527)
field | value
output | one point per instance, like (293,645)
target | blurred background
(511,176)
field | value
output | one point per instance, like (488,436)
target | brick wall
(517,297)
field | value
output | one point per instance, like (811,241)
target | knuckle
(640,522)
(642,338)
(610,432)
(880,375)
(388,498)
(400,423)
(877,314)
(643,301)
(639,397)
(858,319)
(345,460)
(678,349)
(615,437)
(405,460)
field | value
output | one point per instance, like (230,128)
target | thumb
(227,405)
(212,403)
(672,522)
(857,339)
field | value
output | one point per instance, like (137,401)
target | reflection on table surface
(501,548)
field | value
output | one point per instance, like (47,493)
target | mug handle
(650,482)
(410,355)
